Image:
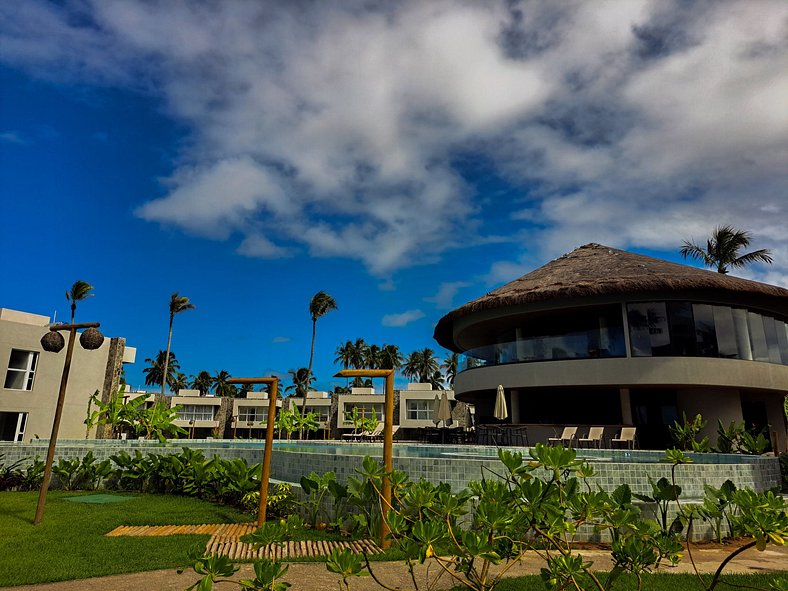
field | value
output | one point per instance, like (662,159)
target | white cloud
(402,319)
(444,298)
(12,137)
(281,339)
(631,123)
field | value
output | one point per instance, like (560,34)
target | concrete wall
(90,372)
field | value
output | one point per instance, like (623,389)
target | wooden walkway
(225,539)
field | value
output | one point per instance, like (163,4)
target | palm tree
(220,385)
(202,382)
(320,305)
(422,366)
(372,357)
(178,304)
(343,354)
(722,250)
(179,382)
(78,292)
(154,374)
(390,357)
(358,354)
(300,379)
(450,365)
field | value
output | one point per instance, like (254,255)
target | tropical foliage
(135,417)
(178,304)
(320,305)
(722,251)
(221,384)
(155,372)
(78,292)
(422,366)
(302,381)
(202,382)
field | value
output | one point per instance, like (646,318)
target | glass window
(21,370)
(320,411)
(705,331)
(682,329)
(252,414)
(648,329)
(760,350)
(726,334)
(782,340)
(419,410)
(365,409)
(742,333)
(196,412)
(770,329)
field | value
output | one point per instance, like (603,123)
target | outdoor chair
(518,436)
(594,438)
(567,436)
(374,434)
(627,436)
(351,436)
(377,433)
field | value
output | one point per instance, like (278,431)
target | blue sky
(404,157)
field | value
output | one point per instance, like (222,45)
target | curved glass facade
(656,329)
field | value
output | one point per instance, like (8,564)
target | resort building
(200,416)
(250,415)
(605,337)
(366,403)
(31,379)
(318,403)
(417,406)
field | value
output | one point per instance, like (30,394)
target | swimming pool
(454,464)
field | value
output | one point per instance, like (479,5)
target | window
(196,412)
(366,410)
(21,370)
(419,410)
(320,411)
(252,414)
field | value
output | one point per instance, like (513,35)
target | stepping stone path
(225,539)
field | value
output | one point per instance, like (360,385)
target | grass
(70,543)
(654,582)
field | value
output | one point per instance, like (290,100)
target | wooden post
(269,439)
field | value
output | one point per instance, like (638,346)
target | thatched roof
(597,270)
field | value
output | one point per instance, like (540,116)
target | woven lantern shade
(91,339)
(53,342)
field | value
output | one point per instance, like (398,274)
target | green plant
(736,439)
(281,501)
(685,434)
(346,564)
(316,488)
(718,506)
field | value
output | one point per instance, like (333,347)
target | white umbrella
(436,407)
(444,410)
(501,412)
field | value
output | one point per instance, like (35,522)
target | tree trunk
(166,358)
(308,376)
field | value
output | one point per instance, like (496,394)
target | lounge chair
(594,438)
(356,435)
(627,436)
(375,434)
(566,437)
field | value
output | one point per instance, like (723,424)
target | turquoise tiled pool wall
(461,465)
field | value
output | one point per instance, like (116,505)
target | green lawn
(70,543)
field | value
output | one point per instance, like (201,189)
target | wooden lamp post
(388,456)
(54,342)
(269,438)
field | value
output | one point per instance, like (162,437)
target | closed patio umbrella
(436,407)
(501,412)
(444,410)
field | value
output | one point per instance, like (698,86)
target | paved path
(225,540)
(315,577)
